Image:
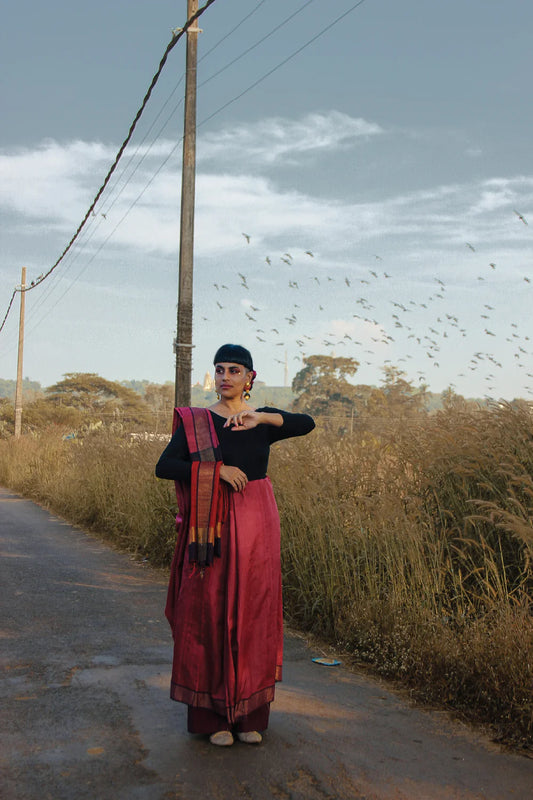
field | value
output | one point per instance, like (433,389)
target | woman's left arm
(287,424)
(245,420)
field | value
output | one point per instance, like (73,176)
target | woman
(224,599)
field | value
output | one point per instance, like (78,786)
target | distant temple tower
(209,383)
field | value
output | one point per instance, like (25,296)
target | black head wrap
(234,354)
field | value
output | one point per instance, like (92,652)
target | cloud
(411,237)
(50,182)
(278,140)
(50,187)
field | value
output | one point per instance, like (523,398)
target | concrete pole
(18,389)
(183,344)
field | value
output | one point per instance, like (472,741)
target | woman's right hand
(234,476)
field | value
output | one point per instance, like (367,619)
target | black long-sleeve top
(249,449)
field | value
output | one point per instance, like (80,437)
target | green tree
(396,397)
(7,417)
(98,398)
(322,387)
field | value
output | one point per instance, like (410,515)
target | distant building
(209,383)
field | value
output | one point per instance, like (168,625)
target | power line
(256,44)
(282,63)
(178,143)
(8,309)
(207,80)
(173,92)
(125,184)
(176,36)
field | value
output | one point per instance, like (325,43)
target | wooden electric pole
(18,389)
(183,343)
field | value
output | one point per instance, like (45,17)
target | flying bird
(473,249)
(247,238)
(520,217)
(309,253)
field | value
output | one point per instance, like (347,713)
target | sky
(364,189)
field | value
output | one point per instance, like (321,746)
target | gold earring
(246,394)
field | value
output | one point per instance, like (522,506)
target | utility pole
(183,342)
(18,389)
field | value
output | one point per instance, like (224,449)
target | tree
(7,417)
(159,396)
(396,397)
(98,398)
(322,386)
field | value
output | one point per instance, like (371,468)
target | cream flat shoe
(250,737)
(221,738)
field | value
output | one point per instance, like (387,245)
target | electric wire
(203,83)
(256,44)
(109,206)
(281,63)
(179,142)
(176,36)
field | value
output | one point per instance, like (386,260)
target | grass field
(407,543)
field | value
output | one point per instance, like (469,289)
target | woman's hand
(234,476)
(244,420)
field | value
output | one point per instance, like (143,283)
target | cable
(256,44)
(211,77)
(281,63)
(173,92)
(8,309)
(176,36)
(154,80)
(203,122)
(232,31)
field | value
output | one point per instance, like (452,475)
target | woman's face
(230,379)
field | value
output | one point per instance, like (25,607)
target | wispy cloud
(278,140)
(54,184)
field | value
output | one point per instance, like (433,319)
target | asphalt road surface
(86,713)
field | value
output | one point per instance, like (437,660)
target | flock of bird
(381,321)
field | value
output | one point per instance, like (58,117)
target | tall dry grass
(101,482)
(407,543)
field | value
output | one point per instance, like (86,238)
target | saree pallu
(228,624)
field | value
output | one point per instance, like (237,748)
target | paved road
(86,656)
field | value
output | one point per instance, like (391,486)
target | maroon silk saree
(227,620)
